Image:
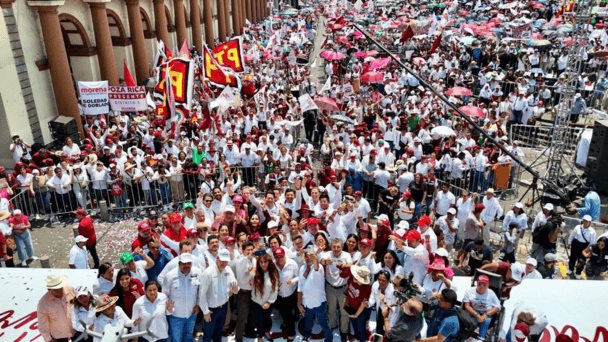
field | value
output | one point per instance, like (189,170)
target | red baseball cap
(479,207)
(413,235)
(229,240)
(191,232)
(483,279)
(312,220)
(143,226)
(424,220)
(366,242)
(175,218)
(278,252)
(254,237)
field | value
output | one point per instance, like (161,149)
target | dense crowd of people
(339,219)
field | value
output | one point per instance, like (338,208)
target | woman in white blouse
(84,312)
(107,312)
(105,279)
(264,293)
(153,309)
(384,301)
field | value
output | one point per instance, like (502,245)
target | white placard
(128,99)
(94,97)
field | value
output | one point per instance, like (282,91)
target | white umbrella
(442,131)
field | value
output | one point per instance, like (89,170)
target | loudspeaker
(597,159)
(63,127)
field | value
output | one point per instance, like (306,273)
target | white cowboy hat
(361,274)
(55,282)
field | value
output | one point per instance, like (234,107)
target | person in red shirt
(358,290)
(145,234)
(128,289)
(86,229)
(175,234)
(20,226)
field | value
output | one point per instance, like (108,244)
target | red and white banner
(128,99)
(216,74)
(230,55)
(22,288)
(576,308)
(94,97)
(181,72)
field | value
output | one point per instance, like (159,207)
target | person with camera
(20,149)
(409,322)
(545,237)
(482,304)
(444,325)
(596,267)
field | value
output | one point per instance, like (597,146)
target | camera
(410,289)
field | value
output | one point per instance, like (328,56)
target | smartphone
(260,252)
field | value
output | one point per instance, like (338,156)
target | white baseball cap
(519,205)
(549,207)
(532,261)
(185,258)
(452,211)
(223,255)
(490,191)
(517,271)
(80,238)
(272,224)
(229,208)
(587,218)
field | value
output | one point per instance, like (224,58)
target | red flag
(127,76)
(436,43)
(340,20)
(184,52)
(168,53)
(206,122)
(407,34)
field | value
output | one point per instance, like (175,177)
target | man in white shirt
(287,299)
(416,256)
(444,201)
(482,303)
(492,210)
(449,226)
(218,283)
(244,269)
(335,285)
(311,296)
(182,286)
(79,256)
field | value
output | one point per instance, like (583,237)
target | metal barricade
(539,137)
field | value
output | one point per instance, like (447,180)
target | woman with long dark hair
(264,294)
(105,279)
(127,289)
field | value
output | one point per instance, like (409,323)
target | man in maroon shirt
(358,290)
(86,229)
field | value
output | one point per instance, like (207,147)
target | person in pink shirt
(55,310)
(20,226)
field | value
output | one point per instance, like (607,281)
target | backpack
(467,324)
(541,234)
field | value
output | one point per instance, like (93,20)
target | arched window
(76,40)
(170,26)
(146,24)
(117,30)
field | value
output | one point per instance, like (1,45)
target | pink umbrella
(327,103)
(379,63)
(459,91)
(474,112)
(358,34)
(342,39)
(372,53)
(418,60)
(372,77)
(360,54)
(332,55)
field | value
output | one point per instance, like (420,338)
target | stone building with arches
(46,46)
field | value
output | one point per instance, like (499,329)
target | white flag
(307,103)
(327,85)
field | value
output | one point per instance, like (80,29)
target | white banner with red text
(94,97)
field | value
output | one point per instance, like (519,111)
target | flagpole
(444,99)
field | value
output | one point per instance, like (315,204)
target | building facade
(46,46)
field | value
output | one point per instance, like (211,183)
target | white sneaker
(35,257)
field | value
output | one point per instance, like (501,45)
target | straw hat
(105,302)
(92,158)
(55,282)
(128,166)
(361,274)
(4,215)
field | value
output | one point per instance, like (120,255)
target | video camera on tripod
(410,289)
